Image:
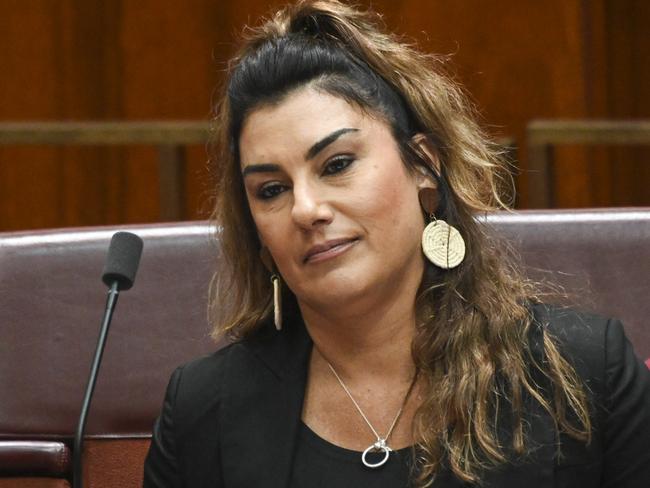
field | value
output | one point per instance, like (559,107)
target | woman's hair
(471,343)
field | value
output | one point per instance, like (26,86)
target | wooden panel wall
(161,59)
(627,51)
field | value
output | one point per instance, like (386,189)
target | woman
(405,349)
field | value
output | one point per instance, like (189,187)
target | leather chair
(600,258)
(52,300)
(51,304)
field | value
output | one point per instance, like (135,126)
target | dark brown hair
(471,343)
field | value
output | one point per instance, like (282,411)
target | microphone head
(122,261)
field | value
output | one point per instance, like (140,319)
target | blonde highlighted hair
(471,343)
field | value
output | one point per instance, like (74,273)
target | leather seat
(52,300)
(598,258)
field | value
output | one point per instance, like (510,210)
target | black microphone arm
(119,274)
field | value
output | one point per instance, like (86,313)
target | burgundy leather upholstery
(600,256)
(35,482)
(43,458)
(52,304)
(52,300)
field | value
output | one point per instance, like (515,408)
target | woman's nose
(310,207)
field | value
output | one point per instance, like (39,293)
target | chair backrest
(52,300)
(51,304)
(600,257)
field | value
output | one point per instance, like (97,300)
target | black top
(321,464)
(232,419)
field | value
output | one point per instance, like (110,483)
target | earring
(277,301)
(442,244)
(267,260)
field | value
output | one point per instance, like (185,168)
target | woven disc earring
(265,256)
(442,244)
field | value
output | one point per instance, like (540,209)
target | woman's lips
(329,249)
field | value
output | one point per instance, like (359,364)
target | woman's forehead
(298,121)
(306,108)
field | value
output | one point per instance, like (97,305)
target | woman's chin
(339,294)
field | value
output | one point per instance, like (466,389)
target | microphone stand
(113,293)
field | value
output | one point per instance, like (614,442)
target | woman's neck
(369,342)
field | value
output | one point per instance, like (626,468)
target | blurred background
(90,63)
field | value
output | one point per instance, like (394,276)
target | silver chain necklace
(381,443)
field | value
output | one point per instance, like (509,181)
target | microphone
(121,265)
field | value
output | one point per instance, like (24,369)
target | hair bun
(314,22)
(306,24)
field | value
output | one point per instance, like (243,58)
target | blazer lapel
(262,409)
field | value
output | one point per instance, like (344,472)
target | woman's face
(332,200)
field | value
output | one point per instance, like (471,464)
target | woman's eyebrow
(260,168)
(311,153)
(326,141)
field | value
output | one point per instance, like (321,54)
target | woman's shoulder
(596,347)
(204,368)
(618,384)
(579,333)
(589,342)
(264,354)
(204,375)
(195,386)
(567,321)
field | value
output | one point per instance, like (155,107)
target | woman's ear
(429,153)
(267,260)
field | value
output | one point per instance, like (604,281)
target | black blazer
(231,419)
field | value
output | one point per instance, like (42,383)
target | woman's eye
(270,190)
(337,164)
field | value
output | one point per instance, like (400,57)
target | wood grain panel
(168,66)
(123,60)
(28,176)
(628,79)
(519,61)
(64,67)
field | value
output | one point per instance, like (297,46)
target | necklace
(381,443)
